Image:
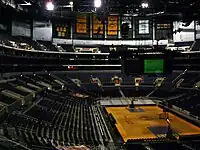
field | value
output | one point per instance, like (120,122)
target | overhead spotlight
(49,6)
(97,3)
(145,5)
(71,3)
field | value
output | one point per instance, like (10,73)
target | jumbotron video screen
(150,65)
(154,66)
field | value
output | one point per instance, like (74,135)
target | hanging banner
(163,26)
(112,25)
(97,26)
(81,25)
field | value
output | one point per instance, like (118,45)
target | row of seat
(29,44)
(158,146)
(60,119)
(167,146)
(190,103)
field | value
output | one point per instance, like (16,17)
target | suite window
(143,26)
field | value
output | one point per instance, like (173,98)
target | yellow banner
(112,25)
(97,26)
(82,19)
(81,28)
(81,25)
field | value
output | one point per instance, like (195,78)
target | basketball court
(149,122)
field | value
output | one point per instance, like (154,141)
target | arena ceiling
(118,5)
(187,10)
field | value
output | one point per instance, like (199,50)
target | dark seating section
(157,146)
(29,44)
(60,119)
(48,45)
(111,92)
(18,42)
(190,103)
(29,41)
(6,99)
(19,82)
(194,145)
(4,38)
(196,46)
(107,89)
(179,44)
(67,48)
(32,79)
(104,49)
(162,93)
(11,88)
(190,79)
(21,87)
(29,131)
(1,106)
(47,79)
(135,146)
(130,91)
(167,146)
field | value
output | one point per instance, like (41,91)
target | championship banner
(163,26)
(112,25)
(81,25)
(97,26)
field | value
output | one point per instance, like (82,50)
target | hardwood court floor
(136,125)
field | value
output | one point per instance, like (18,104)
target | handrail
(52,52)
(78,53)
(193,44)
(18,144)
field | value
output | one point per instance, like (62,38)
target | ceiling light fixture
(97,3)
(49,6)
(145,5)
(71,3)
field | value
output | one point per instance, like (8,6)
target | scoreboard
(152,63)
(61,30)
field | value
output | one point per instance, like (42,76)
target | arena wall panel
(21,29)
(42,31)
